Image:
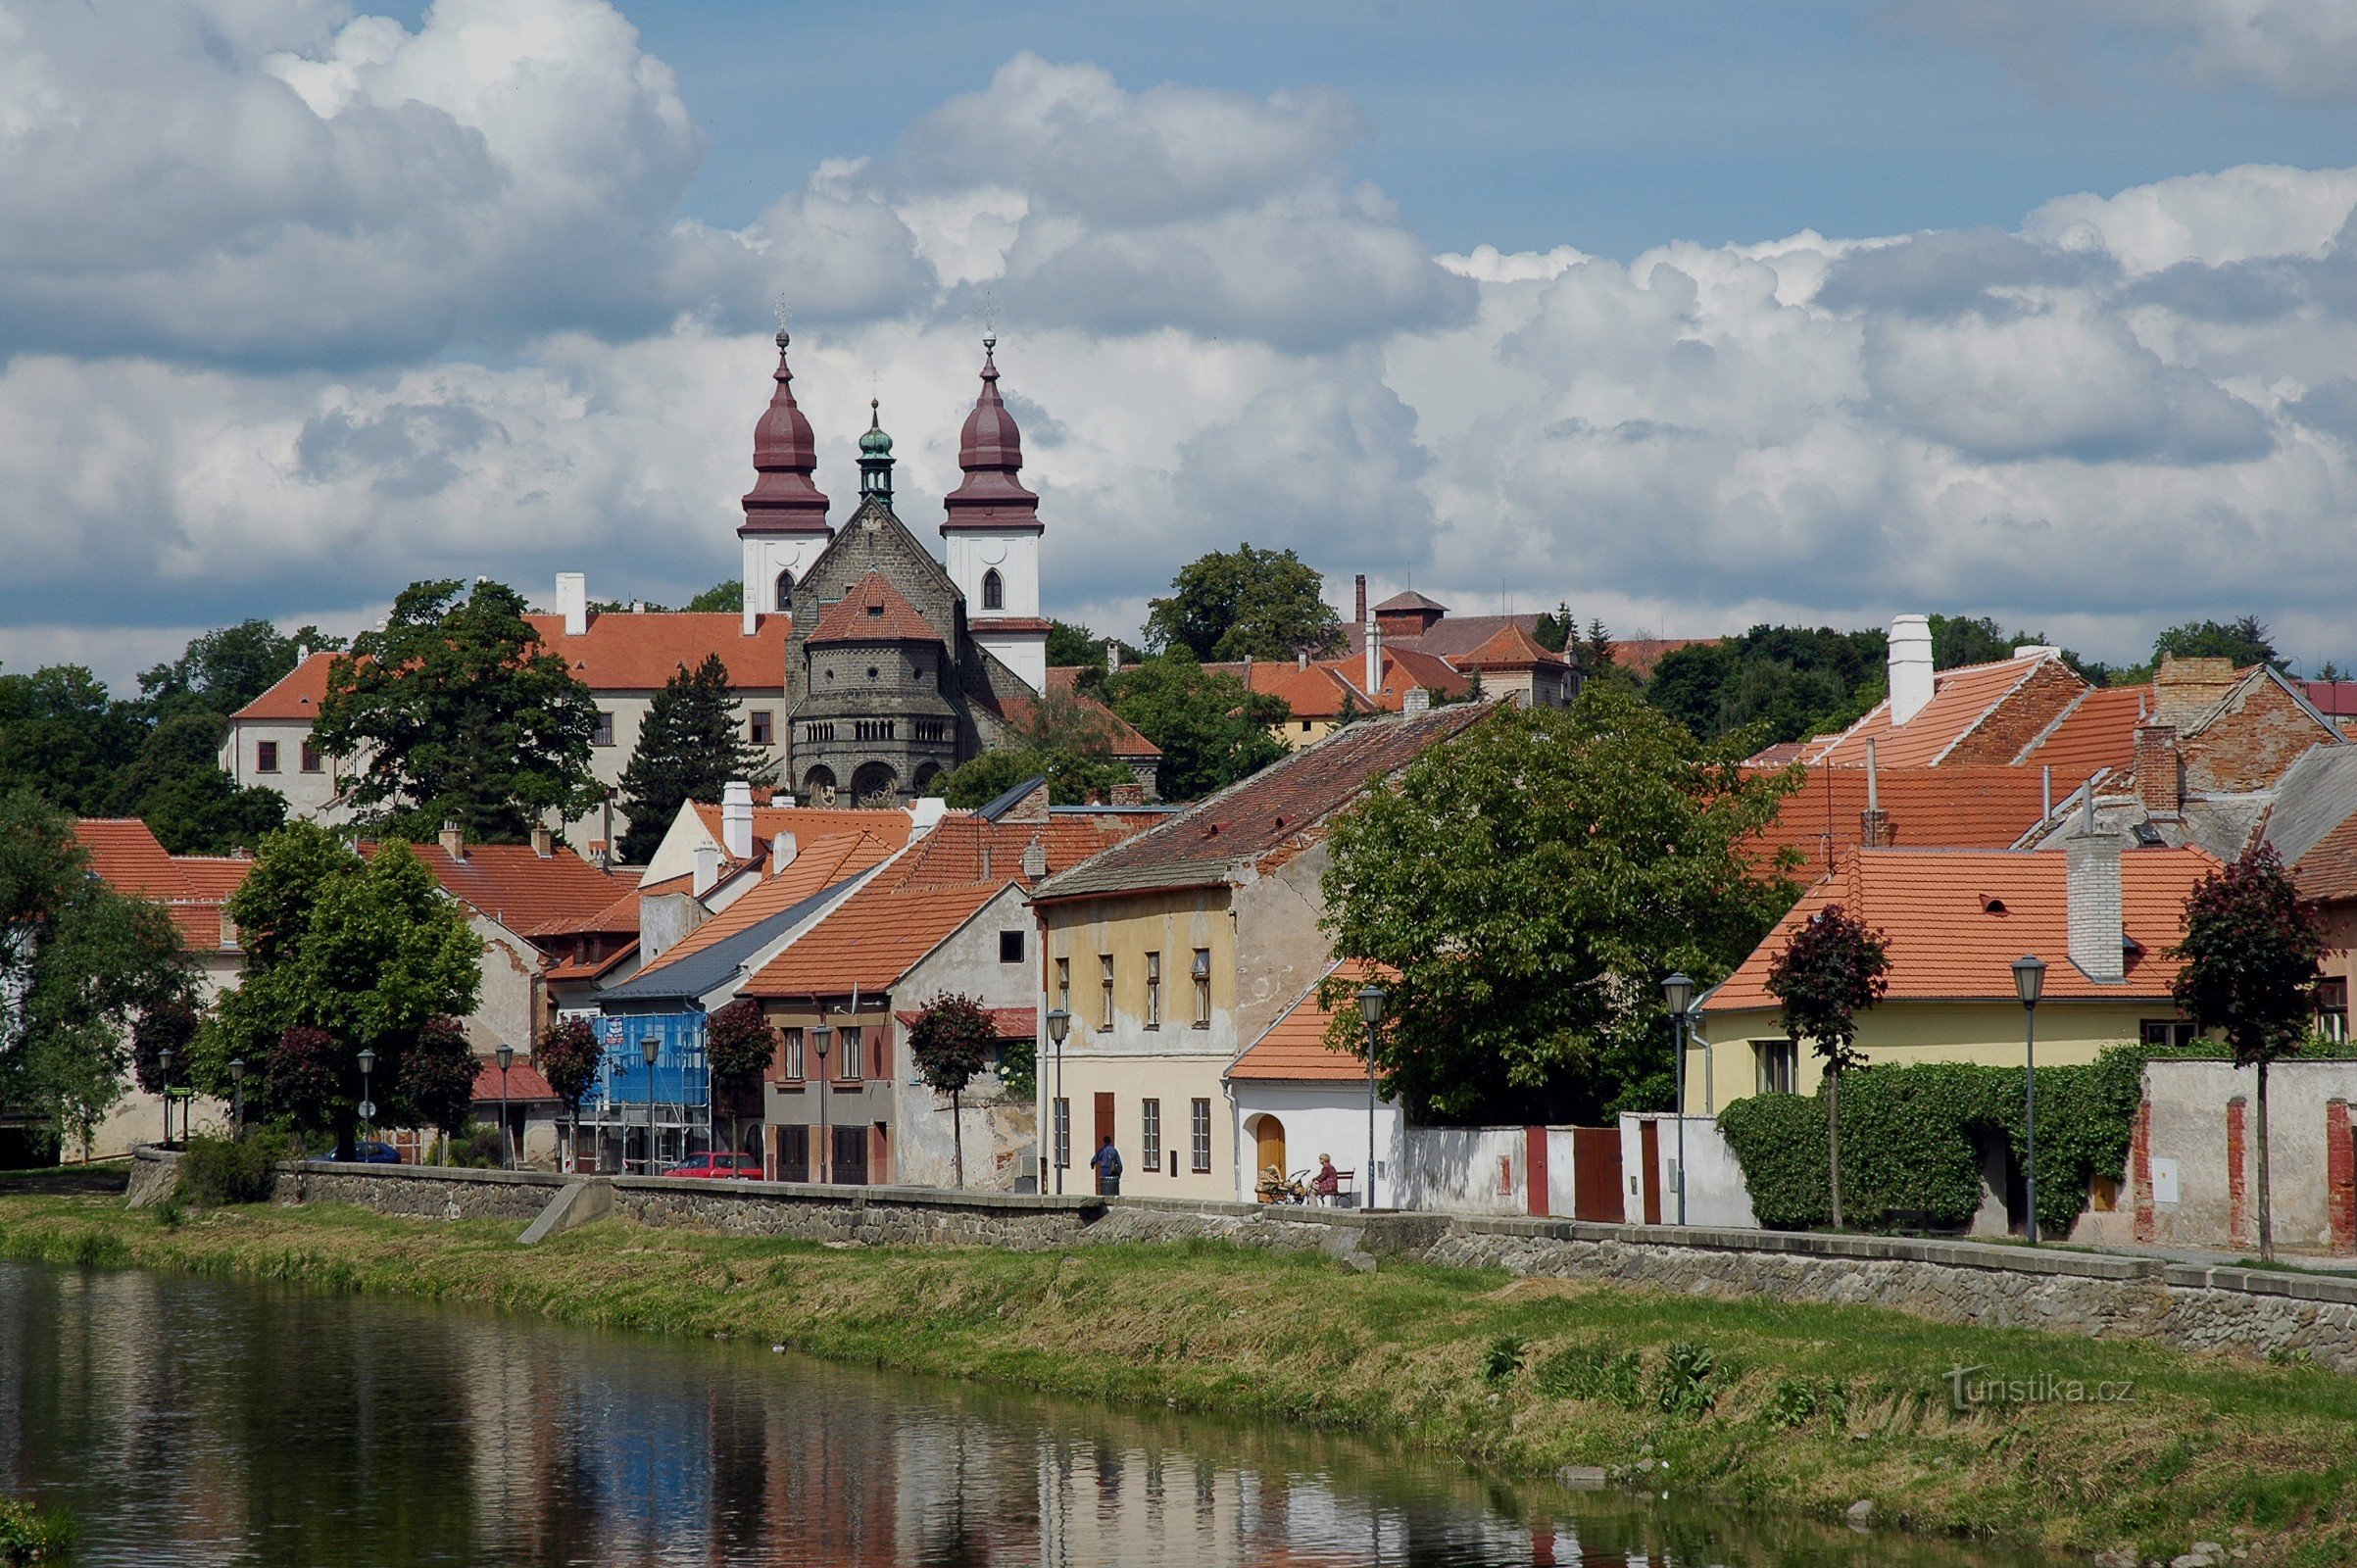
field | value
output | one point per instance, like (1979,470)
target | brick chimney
(544,842)
(1911,683)
(2160,769)
(454,841)
(1361,615)
(1035,861)
(2098,932)
(1126,795)
(2185,689)
(736,819)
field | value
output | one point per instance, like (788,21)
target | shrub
(1796,1402)
(215,1171)
(27,1537)
(479,1146)
(1503,1360)
(1683,1383)
(1591,1372)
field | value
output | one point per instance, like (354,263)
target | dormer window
(993,590)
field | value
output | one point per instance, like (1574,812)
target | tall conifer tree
(689,747)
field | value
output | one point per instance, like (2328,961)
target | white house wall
(1321,1118)
(1000,1138)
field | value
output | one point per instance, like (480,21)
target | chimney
(1127,795)
(782,851)
(302,654)
(2185,689)
(1361,616)
(454,841)
(1416,700)
(2098,940)
(1035,861)
(1248,673)
(544,842)
(736,819)
(1032,808)
(1374,670)
(1874,823)
(708,868)
(572,601)
(925,813)
(1910,667)
(1300,660)
(600,852)
(2160,770)
(1112,656)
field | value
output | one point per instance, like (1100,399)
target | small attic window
(877,610)
(1991,904)
(2149,837)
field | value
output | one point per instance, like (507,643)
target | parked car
(367,1152)
(720,1168)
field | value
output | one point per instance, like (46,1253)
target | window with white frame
(1200,1134)
(1201,970)
(1149,1133)
(792,1050)
(1776,1062)
(1104,981)
(1064,1132)
(1153,991)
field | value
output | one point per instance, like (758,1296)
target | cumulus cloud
(2299,48)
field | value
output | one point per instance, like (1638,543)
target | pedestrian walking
(1106,1162)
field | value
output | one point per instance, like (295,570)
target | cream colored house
(1172,952)
(2100,915)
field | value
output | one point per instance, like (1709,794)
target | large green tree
(689,746)
(83,969)
(1211,729)
(456,711)
(63,737)
(2246,641)
(1834,967)
(1073,777)
(223,670)
(2247,968)
(1247,602)
(1530,882)
(342,954)
(176,786)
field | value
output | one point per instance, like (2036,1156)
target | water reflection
(190,1421)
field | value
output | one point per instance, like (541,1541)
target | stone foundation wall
(869,1216)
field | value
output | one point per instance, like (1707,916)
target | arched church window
(785,591)
(819,786)
(994,592)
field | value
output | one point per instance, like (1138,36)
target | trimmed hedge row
(1910,1142)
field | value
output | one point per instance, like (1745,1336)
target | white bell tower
(991,537)
(785,515)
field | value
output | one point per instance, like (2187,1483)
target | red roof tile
(1123,738)
(129,859)
(870,940)
(953,854)
(515,886)
(524,1084)
(1960,699)
(1294,1049)
(2099,731)
(1510,648)
(872,612)
(2328,870)
(1943,807)
(820,865)
(1956,919)
(1007,1023)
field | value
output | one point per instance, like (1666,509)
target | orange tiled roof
(1512,647)
(1956,919)
(870,940)
(571,969)
(2328,870)
(818,865)
(194,889)
(2099,731)
(514,886)
(952,855)
(1064,681)
(1960,699)
(1293,1050)
(525,1082)
(873,611)
(619,652)
(619,915)
(1943,808)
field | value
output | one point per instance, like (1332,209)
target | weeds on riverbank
(30,1536)
(1767,1404)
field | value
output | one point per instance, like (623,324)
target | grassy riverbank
(1757,1402)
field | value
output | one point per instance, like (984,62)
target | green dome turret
(875,456)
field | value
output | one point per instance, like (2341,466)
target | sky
(1688,316)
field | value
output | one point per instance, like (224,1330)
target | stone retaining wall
(2094,1295)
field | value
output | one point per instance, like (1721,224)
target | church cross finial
(784,314)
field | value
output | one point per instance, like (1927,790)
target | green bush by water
(29,1536)
(215,1171)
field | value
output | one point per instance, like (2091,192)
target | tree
(1551,631)
(1262,604)
(223,670)
(2246,642)
(368,954)
(1792,681)
(1071,645)
(455,712)
(437,1076)
(721,597)
(1073,779)
(1529,882)
(176,786)
(1834,967)
(84,973)
(1211,729)
(737,1047)
(2248,970)
(570,1056)
(689,746)
(63,737)
(950,1043)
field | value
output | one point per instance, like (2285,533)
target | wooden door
(1649,1143)
(1595,1175)
(851,1155)
(1534,1169)
(1104,1122)
(794,1154)
(1268,1137)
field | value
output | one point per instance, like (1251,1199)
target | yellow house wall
(2069,1034)
(1295,733)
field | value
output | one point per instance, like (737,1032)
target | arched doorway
(819,786)
(1268,1148)
(874,785)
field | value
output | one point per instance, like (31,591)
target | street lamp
(164,1066)
(237,1084)
(507,1059)
(1678,992)
(822,1041)
(1059,1024)
(1372,998)
(2028,982)
(650,1048)
(368,1106)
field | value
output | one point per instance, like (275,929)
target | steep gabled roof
(873,938)
(2098,731)
(1286,804)
(1928,807)
(1293,1050)
(1510,648)
(194,889)
(872,612)
(515,886)
(826,864)
(1954,921)
(953,853)
(1961,698)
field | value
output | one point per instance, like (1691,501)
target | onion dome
(784,499)
(990,452)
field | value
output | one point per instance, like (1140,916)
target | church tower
(991,536)
(785,515)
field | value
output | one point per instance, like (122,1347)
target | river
(184,1420)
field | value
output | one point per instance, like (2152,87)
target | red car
(720,1168)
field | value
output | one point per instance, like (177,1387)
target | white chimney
(925,813)
(1374,670)
(1112,656)
(2097,933)
(708,868)
(1910,667)
(572,601)
(1035,861)
(782,851)
(736,819)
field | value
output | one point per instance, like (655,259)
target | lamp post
(237,1085)
(1678,992)
(368,1106)
(2028,982)
(1372,998)
(822,1041)
(164,1066)
(651,1048)
(1059,1024)
(507,1059)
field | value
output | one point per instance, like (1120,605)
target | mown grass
(1804,1408)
